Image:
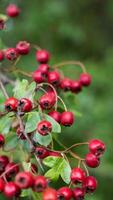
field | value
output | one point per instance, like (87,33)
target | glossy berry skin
(34,168)
(65,84)
(64,193)
(44,127)
(11,104)
(12,169)
(11,54)
(67,118)
(78,193)
(77,175)
(55,115)
(11,190)
(85,79)
(20,135)
(49,194)
(92,160)
(41,152)
(23,47)
(54,78)
(44,68)
(25,105)
(38,76)
(4,160)
(55,154)
(47,101)
(40,184)
(76,86)
(97,147)
(89,184)
(12,10)
(2,140)
(1,55)
(42,56)
(24,180)
(2,184)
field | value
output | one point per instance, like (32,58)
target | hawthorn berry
(2,184)
(25,105)
(67,118)
(78,193)
(44,127)
(24,180)
(47,101)
(64,193)
(89,184)
(38,76)
(44,68)
(41,152)
(12,10)
(65,84)
(23,47)
(39,184)
(11,170)
(11,104)
(54,78)
(1,55)
(76,86)
(92,160)
(96,147)
(11,54)
(85,79)
(49,194)
(4,160)
(55,115)
(42,56)
(20,134)
(2,140)
(11,190)
(34,168)
(77,175)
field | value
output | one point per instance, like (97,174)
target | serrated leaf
(50,161)
(5,124)
(32,120)
(66,172)
(43,140)
(52,174)
(11,141)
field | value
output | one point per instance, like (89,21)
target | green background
(75,30)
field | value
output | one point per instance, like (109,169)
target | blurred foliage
(78,30)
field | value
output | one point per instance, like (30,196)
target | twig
(4,90)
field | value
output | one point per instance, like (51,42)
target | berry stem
(65,108)
(34,46)
(85,168)
(4,90)
(75,145)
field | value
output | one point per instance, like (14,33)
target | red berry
(90,184)
(85,79)
(2,140)
(2,184)
(23,47)
(78,193)
(92,160)
(41,152)
(77,175)
(40,184)
(2,24)
(12,10)
(76,87)
(64,193)
(1,55)
(20,134)
(53,153)
(24,180)
(97,147)
(38,76)
(54,78)
(44,68)
(34,168)
(4,160)
(49,194)
(65,84)
(55,115)
(42,56)
(11,190)
(11,104)
(47,101)
(25,105)
(11,54)
(44,127)
(67,118)
(11,170)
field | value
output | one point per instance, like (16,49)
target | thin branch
(4,90)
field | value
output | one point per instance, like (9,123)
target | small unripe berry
(67,118)
(44,127)
(11,170)
(40,184)
(38,76)
(97,147)
(44,68)
(41,152)
(2,184)
(64,193)
(49,194)
(12,10)
(24,180)
(55,115)
(11,190)
(78,193)
(23,47)
(11,104)
(85,79)
(11,54)
(1,55)
(47,101)
(77,175)
(2,140)
(54,78)
(42,56)
(25,105)
(76,87)
(65,84)
(89,184)
(4,160)
(92,160)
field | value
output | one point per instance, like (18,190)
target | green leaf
(11,141)
(5,124)
(4,17)
(43,140)
(26,166)
(50,161)
(52,174)
(66,172)
(56,128)
(32,120)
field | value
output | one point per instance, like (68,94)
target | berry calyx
(77,175)
(24,180)
(54,78)
(38,76)
(78,193)
(44,127)
(89,184)
(42,56)
(47,101)
(11,190)
(2,140)
(65,84)
(1,55)
(64,193)
(11,104)
(12,10)
(11,54)
(23,47)
(55,115)
(76,86)
(96,147)
(92,160)
(85,79)
(49,194)
(40,184)
(25,105)
(41,152)
(67,118)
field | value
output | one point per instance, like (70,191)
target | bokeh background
(75,30)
